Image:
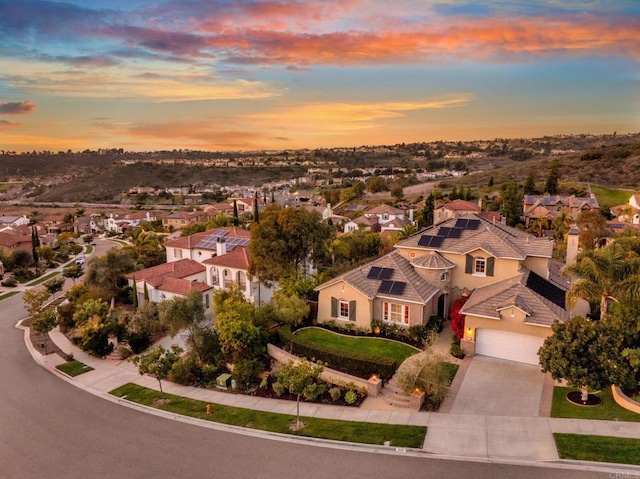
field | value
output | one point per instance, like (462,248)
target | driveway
(495,387)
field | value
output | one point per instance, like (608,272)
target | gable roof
(381,209)
(237,258)
(10,240)
(553,200)
(416,290)
(460,205)
(176,269)
(488,301)
(493,237)
(182,286)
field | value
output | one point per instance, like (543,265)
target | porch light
(376,330)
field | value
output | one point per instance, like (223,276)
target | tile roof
(190,242)
(417,289)
(432,260)
(176,269)
(495,238)
(553,200)
(380,209)
(182,286)
(237,258)
(488,300)
(9,240)
(396,223)
(461,205)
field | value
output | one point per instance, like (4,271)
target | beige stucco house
(468,254)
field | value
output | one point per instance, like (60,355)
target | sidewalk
(480,437)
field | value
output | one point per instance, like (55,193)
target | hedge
(350,362)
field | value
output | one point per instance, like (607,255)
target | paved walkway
(477,436)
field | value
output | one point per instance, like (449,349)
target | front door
(442,306)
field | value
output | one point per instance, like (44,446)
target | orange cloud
(500,39)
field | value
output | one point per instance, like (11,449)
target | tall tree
(511,203)
(285,240)
(182,313)
(551,186)
(593,227)
(530,184)
(236,220)
(427,211)
(604,275)
(256,211)
(73,272)
(35,244)
(107,272)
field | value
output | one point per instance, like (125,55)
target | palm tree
(407,231)
(606,274)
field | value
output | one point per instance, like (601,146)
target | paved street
(51,428)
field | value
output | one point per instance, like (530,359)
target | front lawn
(378,347)
(362,432)
(74,368)
(607,411)
(609,197)
(598,448)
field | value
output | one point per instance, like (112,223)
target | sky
(287,74)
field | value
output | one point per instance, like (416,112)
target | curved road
(49,428)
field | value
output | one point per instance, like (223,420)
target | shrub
(456,350)
(138,341)
(351,397)
(335,393)
(124,351)
(312,391)
(246,370)
(278,388)
(350,362)
(181,372)
(209,374)
(457,319)
(10,282)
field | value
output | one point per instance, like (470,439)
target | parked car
(79,260)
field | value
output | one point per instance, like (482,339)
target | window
(214,276)
(444,276)
(344,309)
(177,253)
(242,280)
(206,300)
(385,216)
(479,266)
(395,313)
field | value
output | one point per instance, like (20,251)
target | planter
(624,401)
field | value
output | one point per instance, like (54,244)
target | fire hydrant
(208,408)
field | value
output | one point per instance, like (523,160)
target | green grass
(8,295)
(607,411)
(74,368)
(362,432)
(88,249)
(42,279)
(373,346)
(120,242)
(611,197)
(598,448)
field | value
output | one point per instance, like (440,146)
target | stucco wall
(503,269)
(540,266)
(343,291)
(624,401)
(513,324)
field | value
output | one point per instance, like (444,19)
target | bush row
(350,362)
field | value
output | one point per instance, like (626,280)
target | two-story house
(380,218)
(467,255)
(549,207)
(453,209)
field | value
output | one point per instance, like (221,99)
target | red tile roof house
(10,242)
(169,280)
(222,260)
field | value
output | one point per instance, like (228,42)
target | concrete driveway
(495,387)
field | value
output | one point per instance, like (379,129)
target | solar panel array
(210,241)
(467,224)
(546,289)
(446,232)
(392,287)
(433,241)
(377,272)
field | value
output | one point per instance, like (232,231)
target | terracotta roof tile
(176,269)
(237,258)
(182,286)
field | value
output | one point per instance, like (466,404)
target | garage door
(504,345)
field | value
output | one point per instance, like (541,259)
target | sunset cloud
(17,108)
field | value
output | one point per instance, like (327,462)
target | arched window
(241,278)
(214,276)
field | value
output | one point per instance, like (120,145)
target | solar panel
(546,289)
(467,224)
(446,232)
(374,272)
(392,287)
(433,241)
(385,286)
(379,273)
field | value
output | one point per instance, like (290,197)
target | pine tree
(530,184)
(236,220)
(35,244)
(256,212)
(427,212)
(551,186)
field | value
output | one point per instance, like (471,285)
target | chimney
(221,246)
(572,245)
(411,214)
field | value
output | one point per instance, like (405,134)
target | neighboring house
(467,255)
(166,281)
(454,209)
(380,218)
(629,212)
(550,207)
(224,255)
(56,224)
(180,219)
(10,242)
(121,223)
(13,221)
